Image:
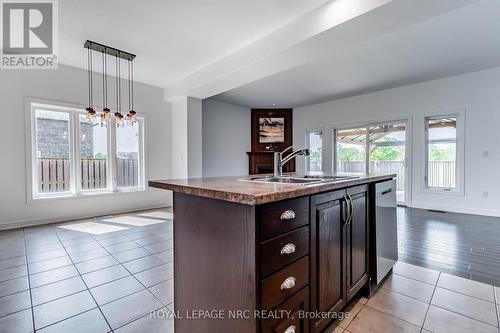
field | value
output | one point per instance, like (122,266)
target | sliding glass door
(350,148)
(375,148)
(388,153)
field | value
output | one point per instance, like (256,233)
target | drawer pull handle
(290,329)
(287,215)
(288,249)
(289,283)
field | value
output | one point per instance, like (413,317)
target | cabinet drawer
(282,216)
(278,252)
(284,283)
(293,322)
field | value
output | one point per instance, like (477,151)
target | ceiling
(172,38)
(459,41)
(286,53)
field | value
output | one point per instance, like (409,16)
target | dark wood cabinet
(328,243)
(306,253)
(339,245)
(357,241)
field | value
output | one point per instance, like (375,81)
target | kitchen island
(269,257)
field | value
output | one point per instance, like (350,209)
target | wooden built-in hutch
(260,158)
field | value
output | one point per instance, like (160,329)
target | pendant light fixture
(118,114)
(132,115)
(105,117)
(90,108)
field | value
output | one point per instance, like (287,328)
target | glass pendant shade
(91,115)
(119,119)
(105,117)
(132,117)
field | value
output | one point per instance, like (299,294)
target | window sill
(440,191)
(89,194)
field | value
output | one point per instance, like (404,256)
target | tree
(347,154)
(442,152)
(100,156)
(387,152)
(315,155)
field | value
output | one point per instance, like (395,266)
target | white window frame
(76,191)
(308,145)
(460,115)
(32,160)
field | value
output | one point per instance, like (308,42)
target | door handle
(386,191)
(347,210)
(351,209)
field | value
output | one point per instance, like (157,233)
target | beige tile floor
(416,299)
(97,275)
(107,274)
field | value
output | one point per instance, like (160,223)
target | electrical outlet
(486,153)
(485,194)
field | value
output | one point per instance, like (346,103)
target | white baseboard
(39,222)
(462,210)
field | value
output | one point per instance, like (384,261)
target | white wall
(186,138)
(69,85)
(478,93)
(179,139)
(226,139)
(195,138)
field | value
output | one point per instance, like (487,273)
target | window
(71,156)
(52,153)
(94,163)
(314,141)
(443,167)
(128,170)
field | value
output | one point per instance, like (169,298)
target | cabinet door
(328,243)
(357,241)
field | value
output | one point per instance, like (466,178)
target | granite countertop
(239,190)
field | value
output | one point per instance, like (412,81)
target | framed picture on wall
(271,129)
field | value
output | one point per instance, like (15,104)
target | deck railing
(54,174)
(441,173)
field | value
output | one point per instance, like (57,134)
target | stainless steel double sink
(300,180)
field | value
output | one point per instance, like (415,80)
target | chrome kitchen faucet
(279,161)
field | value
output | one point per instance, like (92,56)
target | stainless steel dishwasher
(385,250)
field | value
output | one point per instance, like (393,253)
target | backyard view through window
(315,145)
(388,153)
(73,160)
(441,152)
(351,150)
(379,148)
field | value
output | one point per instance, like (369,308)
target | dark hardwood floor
(459,244)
